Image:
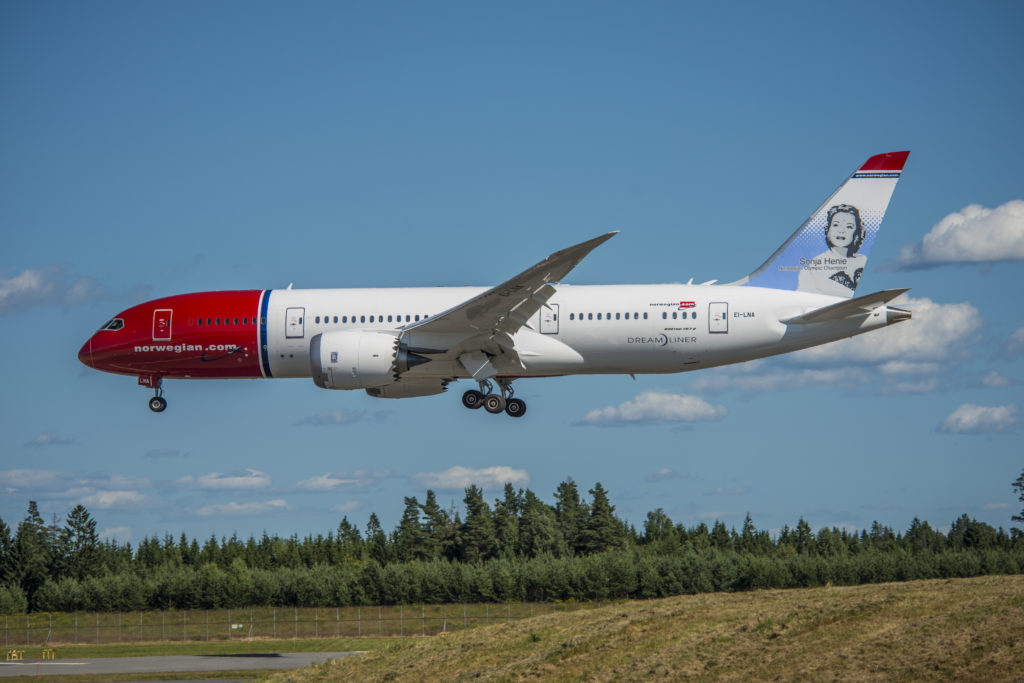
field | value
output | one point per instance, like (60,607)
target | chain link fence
(264,623)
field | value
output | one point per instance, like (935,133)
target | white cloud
(936,332)
(347,506)
(665,474)
(923,386)
(457,478)
(994,379)
(332,417)
(45,286)
(15,480)
(48,439)
(975,419)
(342,481)
(242,479)
(655,407)
(899,367)
(121,534)
(972,235)
(238,509)
(1016,343)
(105,500)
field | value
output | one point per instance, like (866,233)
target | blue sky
(152,149)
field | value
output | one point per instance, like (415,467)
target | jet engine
(363,359)
(353,359)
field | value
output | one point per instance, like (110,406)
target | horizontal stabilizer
(846,309)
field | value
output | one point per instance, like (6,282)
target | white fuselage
(605,329)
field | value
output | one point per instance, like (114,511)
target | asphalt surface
(186,664)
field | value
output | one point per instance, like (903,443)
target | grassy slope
(956,629)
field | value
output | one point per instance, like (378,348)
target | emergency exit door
(294,324)
(549,319)
(718,317)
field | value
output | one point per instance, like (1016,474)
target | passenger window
(200,321)
(674,316)
(572,316)
(417,318)
(236,321)
(389,318)
(598,316)
(318,320)
(664,315)
(362,318)
(636,315)
(645,315)
(590,316)
(218,321)
(693,315)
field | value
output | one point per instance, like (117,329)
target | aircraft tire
(494,403)
(515,407)
(473,399)
(157,404)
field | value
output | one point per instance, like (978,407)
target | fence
(265,623)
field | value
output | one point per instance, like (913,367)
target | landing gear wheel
(157,404)
(473,399)
(494,403)
(515,407)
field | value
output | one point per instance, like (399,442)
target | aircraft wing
(507,307)
(845,309)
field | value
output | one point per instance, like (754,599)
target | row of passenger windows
(224,321)
(676,315)
(372,318)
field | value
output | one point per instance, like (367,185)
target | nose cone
(85,353)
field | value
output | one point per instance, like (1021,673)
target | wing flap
(862,305)
(510,305)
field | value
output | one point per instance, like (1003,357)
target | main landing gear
(492,402)
(158,403)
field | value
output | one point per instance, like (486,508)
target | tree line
(516,548)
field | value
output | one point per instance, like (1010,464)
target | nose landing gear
(492,402)
(158,403)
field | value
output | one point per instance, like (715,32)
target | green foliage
(520,549)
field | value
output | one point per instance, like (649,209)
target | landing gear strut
(492,402)
(158,403)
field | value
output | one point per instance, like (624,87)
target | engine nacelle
(356,359)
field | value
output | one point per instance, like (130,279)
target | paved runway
(191,663)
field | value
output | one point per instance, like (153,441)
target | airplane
(407,342)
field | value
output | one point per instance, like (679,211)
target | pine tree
(506,521)
(376,541)
(1019,485)
(478,539)
(438,534)
(32,553)
(601,530)
(538,528)
(571,514)
(81,545)
(407,540)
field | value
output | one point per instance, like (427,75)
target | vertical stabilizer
(828,253)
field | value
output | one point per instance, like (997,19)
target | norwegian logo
(687,304)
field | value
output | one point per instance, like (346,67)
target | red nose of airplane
(85,353)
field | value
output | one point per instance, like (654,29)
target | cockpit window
(113,324)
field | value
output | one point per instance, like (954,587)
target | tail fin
(827,254)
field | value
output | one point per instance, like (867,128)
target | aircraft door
(549,319)
(718,317)
(294,327)
(162,324)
